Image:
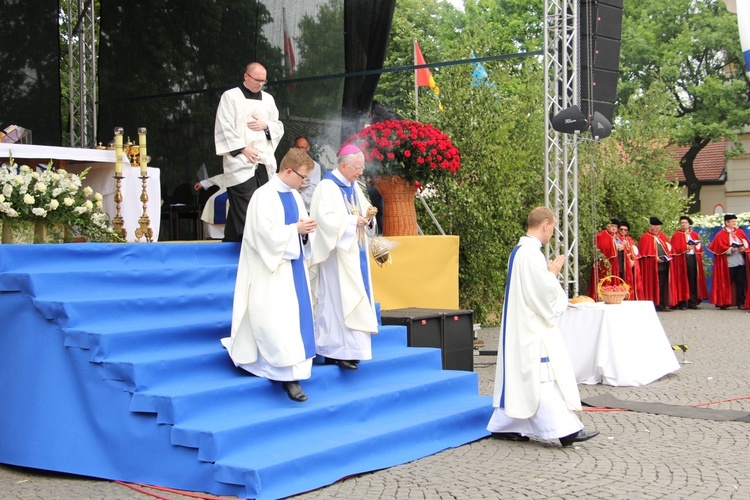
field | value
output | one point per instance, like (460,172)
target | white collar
(341,177)
(279,185)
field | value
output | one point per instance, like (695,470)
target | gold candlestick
(144,222)
(118,222)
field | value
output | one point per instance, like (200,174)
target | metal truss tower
(81,35)
(562,90)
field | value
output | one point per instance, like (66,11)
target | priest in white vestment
(340,274)
(535,386)
(246,133)
(272,319)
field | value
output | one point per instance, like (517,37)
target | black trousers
(239,198)
(737,277)
(664,284)
(692,273)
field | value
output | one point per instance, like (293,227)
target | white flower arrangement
(53,196)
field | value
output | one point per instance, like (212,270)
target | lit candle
(142,150)
(118,151)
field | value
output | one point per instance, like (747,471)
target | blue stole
(350,198)
(505,318)
(220,208)
(291,216)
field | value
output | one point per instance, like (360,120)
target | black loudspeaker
(450,330)
(600,126)
(569,121)
(600,31)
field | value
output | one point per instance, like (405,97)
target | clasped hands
(306,226)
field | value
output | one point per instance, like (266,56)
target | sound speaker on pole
(569,121)
(600,126)
(600,31)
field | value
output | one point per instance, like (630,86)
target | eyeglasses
(303,177)
(262,82)
(358,169)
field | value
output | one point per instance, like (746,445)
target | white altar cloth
(617,344)
(101,179)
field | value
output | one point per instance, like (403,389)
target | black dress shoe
(347,365)
(294,390)
(577,437)
(509,436)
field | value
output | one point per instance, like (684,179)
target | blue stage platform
(111,367)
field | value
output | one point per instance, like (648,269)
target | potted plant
(405,156)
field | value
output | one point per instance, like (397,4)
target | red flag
(289,60)
(422,75)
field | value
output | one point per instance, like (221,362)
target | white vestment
(231,133)
(266,338)
(307,190)
(344,311)
(535,385)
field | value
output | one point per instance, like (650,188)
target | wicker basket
(612,297)
(399,211)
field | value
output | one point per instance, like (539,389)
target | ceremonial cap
(614,221)
(349,149)
(624,223)
(729,217)
(685,217)
(654,221)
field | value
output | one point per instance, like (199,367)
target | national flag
(289,60)
(742,9)
(423,76)
(479,75)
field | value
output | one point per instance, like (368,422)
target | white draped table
(101,179)
(617,344)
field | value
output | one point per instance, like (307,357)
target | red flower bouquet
(418,152)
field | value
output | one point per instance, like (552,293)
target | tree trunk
(688,168)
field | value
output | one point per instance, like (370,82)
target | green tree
(321,52)
(436,25)
(499,132)
(625,177)
(689,49)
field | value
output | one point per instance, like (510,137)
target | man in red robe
(631,268)
(687,266)
(730,247)
(656,253)
(607,264)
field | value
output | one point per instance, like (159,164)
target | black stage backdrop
(163,64)
(30,68)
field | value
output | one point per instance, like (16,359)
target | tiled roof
(709,164)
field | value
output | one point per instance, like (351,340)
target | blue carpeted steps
(118,372)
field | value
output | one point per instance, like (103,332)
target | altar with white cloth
(100,178)
(617,344)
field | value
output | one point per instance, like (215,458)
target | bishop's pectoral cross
(354,210)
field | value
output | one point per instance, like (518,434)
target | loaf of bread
(581,299)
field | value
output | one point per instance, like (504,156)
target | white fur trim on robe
(231,134)
(534,300)
(336,244)
(265,317)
